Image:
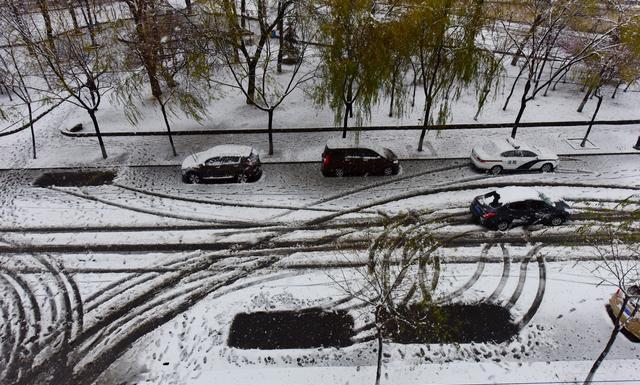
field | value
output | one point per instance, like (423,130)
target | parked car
(499,155)
(240,163)
(631,324)
(342,157)
(512,206)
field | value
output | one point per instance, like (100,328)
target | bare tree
(78,64)
(273,88)
(14,78)
(247,39)
(545,36)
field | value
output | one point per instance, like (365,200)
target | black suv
(514,206)
(235,162)
(341,159)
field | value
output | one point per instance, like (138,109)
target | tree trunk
(429,98)
(483,98)
(561,78)
(595,113)
(513,88)
(585,99)
(523,105)
(44,10)
(345,122)
(415,85)
(270,131)
(187,4)
(612,339)
(627,87)
(243,11)
(166,122)
(426,122)
(92,114)
(615,91)
(33,135)
(348,110)
(379,335)
(251,86)
(280,35)
(393,92)
(72,13)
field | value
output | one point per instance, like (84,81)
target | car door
(512,159)
(540,212)
(519,213)
(352,161)
(230,166)
(371,161)
(211,167)
(529,159)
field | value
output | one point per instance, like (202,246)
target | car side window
(351,153)
(509,154)
(528,154)
(518,206)
(230,159)
(366,153)
(538,205)
(213,161)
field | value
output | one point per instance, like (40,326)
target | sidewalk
(230,112)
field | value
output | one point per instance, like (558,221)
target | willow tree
(356,57)
(164,57)
(446,35)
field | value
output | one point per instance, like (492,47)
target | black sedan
(514,206)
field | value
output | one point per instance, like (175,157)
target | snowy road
(94,272)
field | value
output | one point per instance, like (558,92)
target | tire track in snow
(10,372)
(523,276)
(372,186)
(474,278)
(506,268)
(156,212)
(537,301)
(220,203)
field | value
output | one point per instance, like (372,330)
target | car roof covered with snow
(338,143)
(217,151)
(517,194)
(498,146)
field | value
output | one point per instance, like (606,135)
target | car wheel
(495,170)
(193,178)
(557,221)
(547,167)
(242,178)
(503,226)
(388,171)
(339,172)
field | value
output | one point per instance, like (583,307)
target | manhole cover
(75,178)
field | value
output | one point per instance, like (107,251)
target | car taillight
(325,160)
(489,215)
